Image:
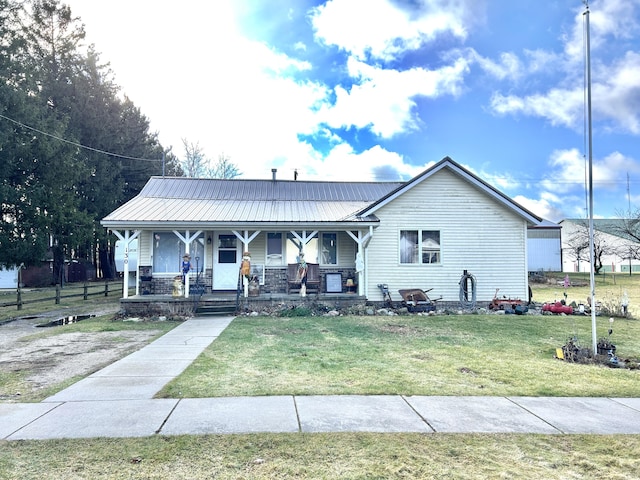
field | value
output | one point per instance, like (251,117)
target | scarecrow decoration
(245,271)
(186,268)
(301,274)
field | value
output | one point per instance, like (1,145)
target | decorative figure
(301,274)
(177,286)
(186,266)
(245,271)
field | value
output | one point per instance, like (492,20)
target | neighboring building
(423,233)
(607,232)
(8,277)
(544,247)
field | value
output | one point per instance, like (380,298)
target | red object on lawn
(557,307)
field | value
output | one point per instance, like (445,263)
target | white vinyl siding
(477,234)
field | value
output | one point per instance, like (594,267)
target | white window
(168,250)
(420,246)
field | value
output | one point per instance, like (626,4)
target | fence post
(57,294)
(19,302)
(106,288)
(86,291)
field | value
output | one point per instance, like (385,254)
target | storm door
(226,261)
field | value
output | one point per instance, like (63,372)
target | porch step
(218,308)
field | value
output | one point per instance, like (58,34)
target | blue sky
(382,89)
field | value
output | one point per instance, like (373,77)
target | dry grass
(344,456)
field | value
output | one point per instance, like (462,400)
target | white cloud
(571,169)
(383,30)
(615,89)
(559,106)
(617,96)
(508,67)
(384,98)
(342,163)
(566,173)
(545,207)
(615,18)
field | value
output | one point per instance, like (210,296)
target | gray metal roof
(215,201)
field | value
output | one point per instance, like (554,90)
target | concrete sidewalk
(118,402)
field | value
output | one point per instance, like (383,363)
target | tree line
(72,147)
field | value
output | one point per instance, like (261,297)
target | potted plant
(605,347)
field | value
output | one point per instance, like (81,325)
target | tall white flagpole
(592,282)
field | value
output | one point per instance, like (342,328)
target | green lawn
(412,355)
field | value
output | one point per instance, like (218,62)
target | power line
(79,145)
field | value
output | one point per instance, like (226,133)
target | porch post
(126,239)
(361,257)
(187,239)
(246,239)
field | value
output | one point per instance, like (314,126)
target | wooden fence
(70,290)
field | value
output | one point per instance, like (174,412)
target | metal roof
(215,201)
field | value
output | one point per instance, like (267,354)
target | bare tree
(578,246)
(224,168)
(194,164)
(629,229)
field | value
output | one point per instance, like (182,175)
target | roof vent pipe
(273,173)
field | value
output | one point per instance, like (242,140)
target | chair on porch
(313,278)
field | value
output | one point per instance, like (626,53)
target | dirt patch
(51,360)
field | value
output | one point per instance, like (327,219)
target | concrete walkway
(118,402)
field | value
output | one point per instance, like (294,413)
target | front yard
(491,354)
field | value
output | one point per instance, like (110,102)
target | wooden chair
(313,278)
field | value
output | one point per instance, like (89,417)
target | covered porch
(253,262)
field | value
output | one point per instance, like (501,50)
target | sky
(379,90)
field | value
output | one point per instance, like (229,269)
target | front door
(226,262)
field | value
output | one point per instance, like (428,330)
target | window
(420,246)
(168,250)
(329,249)
(430,246)
(408,246)
(274,248)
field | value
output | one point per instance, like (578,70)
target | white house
(423,233)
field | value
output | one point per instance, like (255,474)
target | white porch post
(126,239)
(187,239)
(246,239)
(362,240)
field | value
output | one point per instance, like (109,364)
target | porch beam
(127,238)
(304,238)
(245,238)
